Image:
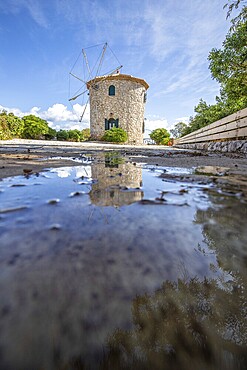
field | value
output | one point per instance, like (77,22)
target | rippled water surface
(115,265)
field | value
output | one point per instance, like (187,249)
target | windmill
(92,62)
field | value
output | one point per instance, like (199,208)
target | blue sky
(165,42)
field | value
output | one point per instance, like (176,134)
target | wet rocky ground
(34,155)
(122,258)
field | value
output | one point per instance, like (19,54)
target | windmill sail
(88,69)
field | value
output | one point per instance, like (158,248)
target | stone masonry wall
(228,146)
(127,105)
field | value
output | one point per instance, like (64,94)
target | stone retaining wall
(231,146)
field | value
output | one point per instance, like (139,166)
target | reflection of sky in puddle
(84,159)
(173,190)
(170,170)
(73,171)
(90,239)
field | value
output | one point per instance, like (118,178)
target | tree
(10,125)
(241,17)
(34,127)
(178,130)
(5,133)
(15,125)
(205,114)
(228,65)
(160,136)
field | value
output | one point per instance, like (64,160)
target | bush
(165,141)
(85,134)
(51,135)
(115,135)
(62,135)
(74,135)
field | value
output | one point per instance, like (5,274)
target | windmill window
(111,90)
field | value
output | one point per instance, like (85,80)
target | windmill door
(110,123)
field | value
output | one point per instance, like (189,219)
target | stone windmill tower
(116,100)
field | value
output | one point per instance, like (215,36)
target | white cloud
(58,115)
(182,119)
(152,123)
(17,112)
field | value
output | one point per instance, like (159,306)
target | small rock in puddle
(27,171)
(55,227)
(17,185)
(76,194)
(53,201)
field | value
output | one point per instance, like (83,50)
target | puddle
(170,170)
(79,159)
(110,265)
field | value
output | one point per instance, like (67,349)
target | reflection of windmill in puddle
(119,183)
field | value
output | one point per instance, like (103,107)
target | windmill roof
(118,76)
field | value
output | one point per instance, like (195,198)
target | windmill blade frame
(91,76)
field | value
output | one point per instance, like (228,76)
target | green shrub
(85,134)
(74,135)
(62,135)
(115,135)
(165,141)
(51,135)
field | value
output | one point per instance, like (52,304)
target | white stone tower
(117,100)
